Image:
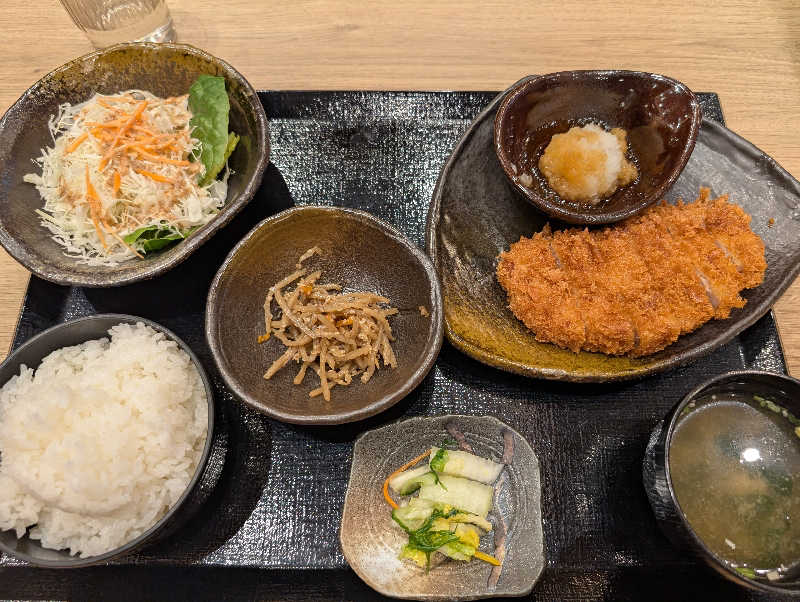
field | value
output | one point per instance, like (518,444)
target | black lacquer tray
(269,528)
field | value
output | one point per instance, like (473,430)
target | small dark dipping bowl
(31,353)
(163,69)
(362,254)
(783,390)
(661,115)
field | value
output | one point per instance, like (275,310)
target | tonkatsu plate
(528,294)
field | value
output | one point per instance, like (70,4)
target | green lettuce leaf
(155,238)
(209,104)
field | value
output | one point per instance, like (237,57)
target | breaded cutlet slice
(685,224)
(636,286)
(672,274)
(729,226)
(608,327)
(539,293)
(647,302)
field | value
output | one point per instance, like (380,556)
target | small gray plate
(371,541)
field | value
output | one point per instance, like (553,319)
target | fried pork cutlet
(635,287)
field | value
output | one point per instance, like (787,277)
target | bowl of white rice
(106,425)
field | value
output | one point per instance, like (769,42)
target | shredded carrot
(114,123)
(117,183)
(405,466)
(145,141)
(76,143)
(103,103)
(120,239)
(103,135)
(124,128)
(486,558)
(147,131)
(344,322)
(98,229)
(263,337)
(153,176)
(91,193)
(168,145)
(92,199)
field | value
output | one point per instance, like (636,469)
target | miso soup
(735,469)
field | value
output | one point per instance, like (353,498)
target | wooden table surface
(749,53)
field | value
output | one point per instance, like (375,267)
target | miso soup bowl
(658,482)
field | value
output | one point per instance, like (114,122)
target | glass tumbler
(108,22)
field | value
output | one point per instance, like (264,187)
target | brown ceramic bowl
(359,252)
(165,70)
(661,115)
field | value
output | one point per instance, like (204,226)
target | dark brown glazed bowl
(661,115)
(359,252)
(658,481)
(163,69)
(31,353)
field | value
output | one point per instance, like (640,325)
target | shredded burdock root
(338,335)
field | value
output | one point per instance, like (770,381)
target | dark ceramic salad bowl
(163,69)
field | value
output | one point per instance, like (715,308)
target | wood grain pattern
(747,52)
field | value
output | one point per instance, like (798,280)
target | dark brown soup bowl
(661,115)
(164,70)
(656,470)
(359,252)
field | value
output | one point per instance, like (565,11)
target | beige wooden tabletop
(748,52)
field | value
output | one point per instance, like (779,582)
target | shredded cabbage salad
(122,177)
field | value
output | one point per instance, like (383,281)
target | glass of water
(108,22)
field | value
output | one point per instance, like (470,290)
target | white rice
(100,441)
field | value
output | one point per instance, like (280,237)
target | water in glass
(107,22)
